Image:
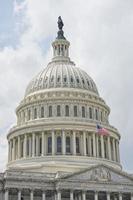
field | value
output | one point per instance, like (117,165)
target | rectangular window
(75,111)
(58,111)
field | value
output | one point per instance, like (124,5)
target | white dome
(56,120)
(61,75)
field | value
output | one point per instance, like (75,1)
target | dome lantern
(60,45)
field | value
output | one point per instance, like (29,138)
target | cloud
(101,39)
(18,7)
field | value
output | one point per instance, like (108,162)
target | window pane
(49,145)
(58,111)
(90,113)
(68,149)
(50,111)
(67,110)
(59,144)
(35,113)
(42,112)
(75,111)
(96,111)
(83,111)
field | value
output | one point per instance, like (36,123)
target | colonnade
(72,195)
(70,143)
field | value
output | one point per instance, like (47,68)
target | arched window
(67,110)
(96,112)
(58,111)
(90,113)
(83,111)
(65,79)
(35,113)
(50,111)
(77,145)
(71,79)
(49,145)
(29,114)
(59,144)
(68,145)
(75,111)
(77,80)
(58,79)
(42,112)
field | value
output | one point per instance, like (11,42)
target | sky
(101,37)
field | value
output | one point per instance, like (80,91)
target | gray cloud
(101,39)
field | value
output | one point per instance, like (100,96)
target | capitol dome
(57,120)
(61,75)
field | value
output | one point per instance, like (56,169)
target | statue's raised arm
(60,23)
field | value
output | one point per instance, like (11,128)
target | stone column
(37,145)
(6,194)
(96,195)
(108,195)
(63,143)
(97,146)
(19,151)
(31,195)
(94,144)
(58,195)
(13,148)
(117,151)
(83,195)
(74,143)
(30,146)
(102,146)
(53,142)
(114,150)
(45,144)
(33,144)
(120,196)
(43,195)
(84,143)
(25,145)
(43,148)
(8,151)
(71,195)
(90,146)
(109,148)
(19,195)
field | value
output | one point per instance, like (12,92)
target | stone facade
(55,151)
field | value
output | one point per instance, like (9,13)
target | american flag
(101,130)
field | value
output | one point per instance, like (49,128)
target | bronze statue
(60,23)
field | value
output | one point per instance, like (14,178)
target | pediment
(101,173)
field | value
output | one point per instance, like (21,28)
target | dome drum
(60,143)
